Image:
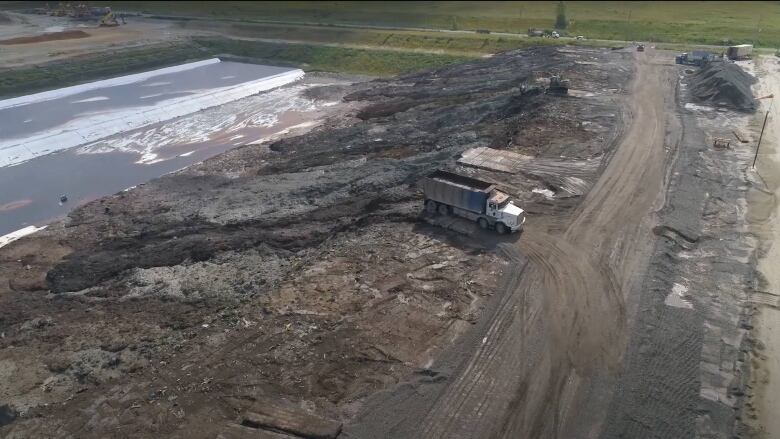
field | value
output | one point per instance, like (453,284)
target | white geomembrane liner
(99,125)
(121,80)
(13,236)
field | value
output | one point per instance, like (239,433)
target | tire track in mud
(566,316)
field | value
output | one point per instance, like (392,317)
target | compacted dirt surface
(562,316)
(27,39)
(296,288)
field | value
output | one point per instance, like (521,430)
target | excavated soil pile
(724,84)
(54,36)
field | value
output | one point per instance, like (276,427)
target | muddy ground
(294,289)
(299,270)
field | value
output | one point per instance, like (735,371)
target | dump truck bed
(457,190)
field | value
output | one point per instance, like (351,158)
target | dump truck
(447,193)
(741,51)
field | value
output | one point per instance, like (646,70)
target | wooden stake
(761,136)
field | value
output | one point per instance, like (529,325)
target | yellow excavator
(109,20)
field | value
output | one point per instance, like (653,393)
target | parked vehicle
(742,51)
(447,193)
(695,58)
(640,48)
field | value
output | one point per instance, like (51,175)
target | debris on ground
(276,416)
(721,143)
(298,269)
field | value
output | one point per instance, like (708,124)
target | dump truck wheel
(483,224)
(444,209)
(430,206)
(501,228)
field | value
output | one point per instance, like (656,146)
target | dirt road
(764,214)
(572,293)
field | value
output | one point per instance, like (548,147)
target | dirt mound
(724,84)
(54,36)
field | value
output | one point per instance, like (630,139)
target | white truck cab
(504,211)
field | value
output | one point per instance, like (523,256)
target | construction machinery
(558,85)
(109,20)
(695,58)
(447,193)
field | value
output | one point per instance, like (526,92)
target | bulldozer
(558,85)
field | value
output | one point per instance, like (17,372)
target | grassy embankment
(16,82)
(20,81)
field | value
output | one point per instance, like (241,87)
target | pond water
(134,147)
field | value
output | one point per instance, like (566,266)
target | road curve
(565,318)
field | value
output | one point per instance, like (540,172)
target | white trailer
(741,51)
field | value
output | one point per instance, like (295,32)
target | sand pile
(724,84)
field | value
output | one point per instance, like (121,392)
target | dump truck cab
(504,211)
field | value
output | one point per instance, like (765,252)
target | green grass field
(664,21)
